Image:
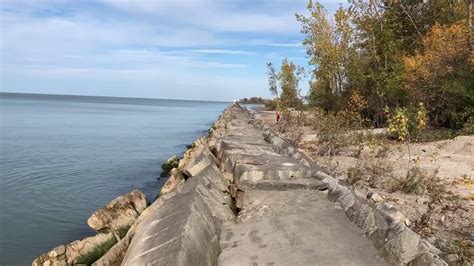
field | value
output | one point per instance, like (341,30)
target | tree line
(390,54)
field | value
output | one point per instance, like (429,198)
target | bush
(468,128)
(335,130)
(271,105)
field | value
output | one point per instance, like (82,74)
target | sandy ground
(450,161)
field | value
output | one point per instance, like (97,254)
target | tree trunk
(471,33)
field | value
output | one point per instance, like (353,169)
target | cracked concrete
(285,218)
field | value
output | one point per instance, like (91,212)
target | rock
(84,251)
(239,199)
(90,249)
(171,163)
(185,229)
(427,259)
(202,158)
(376,197)
(197,168)
(450,259)
(57,251)
(118,215)
(175,178)
(403,248)
(393,213)
(115,255)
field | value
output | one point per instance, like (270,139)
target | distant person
(278,116)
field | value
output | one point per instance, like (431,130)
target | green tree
(328,47)
(284,85)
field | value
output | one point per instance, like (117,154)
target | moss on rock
(171,163)
(95,253)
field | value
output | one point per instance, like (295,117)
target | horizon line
(105,96)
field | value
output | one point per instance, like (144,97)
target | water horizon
(106,97)
(64,156)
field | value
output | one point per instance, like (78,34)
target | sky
(174,49)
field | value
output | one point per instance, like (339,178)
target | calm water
(62,157)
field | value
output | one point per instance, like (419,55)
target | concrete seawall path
(285,218)
(244,196)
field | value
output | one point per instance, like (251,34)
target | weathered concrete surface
(284,218)
(243,151)
(284,185)
(378,228)
(295,227)
(116,254)
(184,230)
(175,178)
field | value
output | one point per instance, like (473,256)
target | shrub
(292,125)
(355,174)
(468,128)
(271,105)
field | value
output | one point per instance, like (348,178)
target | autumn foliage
(433,75)
(392,53)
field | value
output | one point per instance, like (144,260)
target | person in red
(278,116)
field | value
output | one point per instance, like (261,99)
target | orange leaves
(445,48)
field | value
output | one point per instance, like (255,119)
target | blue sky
(180,49)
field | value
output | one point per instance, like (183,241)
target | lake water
(63,157)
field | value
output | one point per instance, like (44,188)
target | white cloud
(275,44)
(220,16)
(131,47)
(222,51)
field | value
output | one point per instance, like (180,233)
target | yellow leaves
(401,119)
(421,117)
(357,102)
(467,183)
(446,41)
(444,48)
(398,122)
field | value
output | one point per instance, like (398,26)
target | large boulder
(84,251)
(203,157)
(176,177)
(119,214)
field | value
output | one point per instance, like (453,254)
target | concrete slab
(297,227)
(283,185)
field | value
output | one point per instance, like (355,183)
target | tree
(471,33)
(289,84)
(272,79)
(439,75)
(395,54)
(327,46)
(284,84)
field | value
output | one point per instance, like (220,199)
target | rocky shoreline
(116,223)
(218,204)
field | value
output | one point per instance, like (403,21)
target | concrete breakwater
(244,196)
